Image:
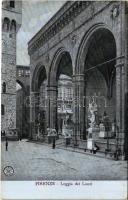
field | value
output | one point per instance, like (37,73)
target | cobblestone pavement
(33,161)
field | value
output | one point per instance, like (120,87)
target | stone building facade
(11,22)
(91,38)
(22,100)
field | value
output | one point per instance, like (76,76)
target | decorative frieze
(75,9)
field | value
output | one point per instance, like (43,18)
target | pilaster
(79,107)
(52,106)
(120,102)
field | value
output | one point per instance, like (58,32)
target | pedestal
(12,134)
(90,144)
(102,131)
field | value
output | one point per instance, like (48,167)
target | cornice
(63,17)
(23,66)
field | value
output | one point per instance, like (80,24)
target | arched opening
(13,26)
(100,85)
(22,115)
(64,125)
(40,93)
(6,24)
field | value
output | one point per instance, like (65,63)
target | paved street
(40,162)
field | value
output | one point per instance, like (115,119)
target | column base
(12,134)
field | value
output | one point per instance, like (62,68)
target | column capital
(78,77)
(119,65)
(51,87)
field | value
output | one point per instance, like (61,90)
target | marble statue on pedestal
(93,108)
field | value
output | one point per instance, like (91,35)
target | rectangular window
(27,73)
(12,4)
(22,72)
(19,72)
(2,110)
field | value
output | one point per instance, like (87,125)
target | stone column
(31,116)
(79,107)
(120,103)
(33,113)
(52,106)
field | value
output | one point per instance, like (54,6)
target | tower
(11,22)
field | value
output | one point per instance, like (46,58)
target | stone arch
(36,73)
(82,56)
(60,74)
(54,65)
(39,100)
(85,42)
(91,66)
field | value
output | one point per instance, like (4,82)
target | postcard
(64,99)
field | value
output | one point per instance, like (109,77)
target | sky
(35,14)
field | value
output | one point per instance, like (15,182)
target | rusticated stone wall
(11,22)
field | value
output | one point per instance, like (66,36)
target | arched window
(13,25)
(4,87)
(6,24)
(2,109)
(12,4)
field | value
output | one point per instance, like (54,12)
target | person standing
(54,141)
(54,138)
(6,144)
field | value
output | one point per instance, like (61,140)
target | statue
(93,119)
(92,111)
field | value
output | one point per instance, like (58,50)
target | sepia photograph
(64,92)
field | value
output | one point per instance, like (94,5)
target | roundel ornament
(8,171)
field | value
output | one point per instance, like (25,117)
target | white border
(91,190)
(31,190)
